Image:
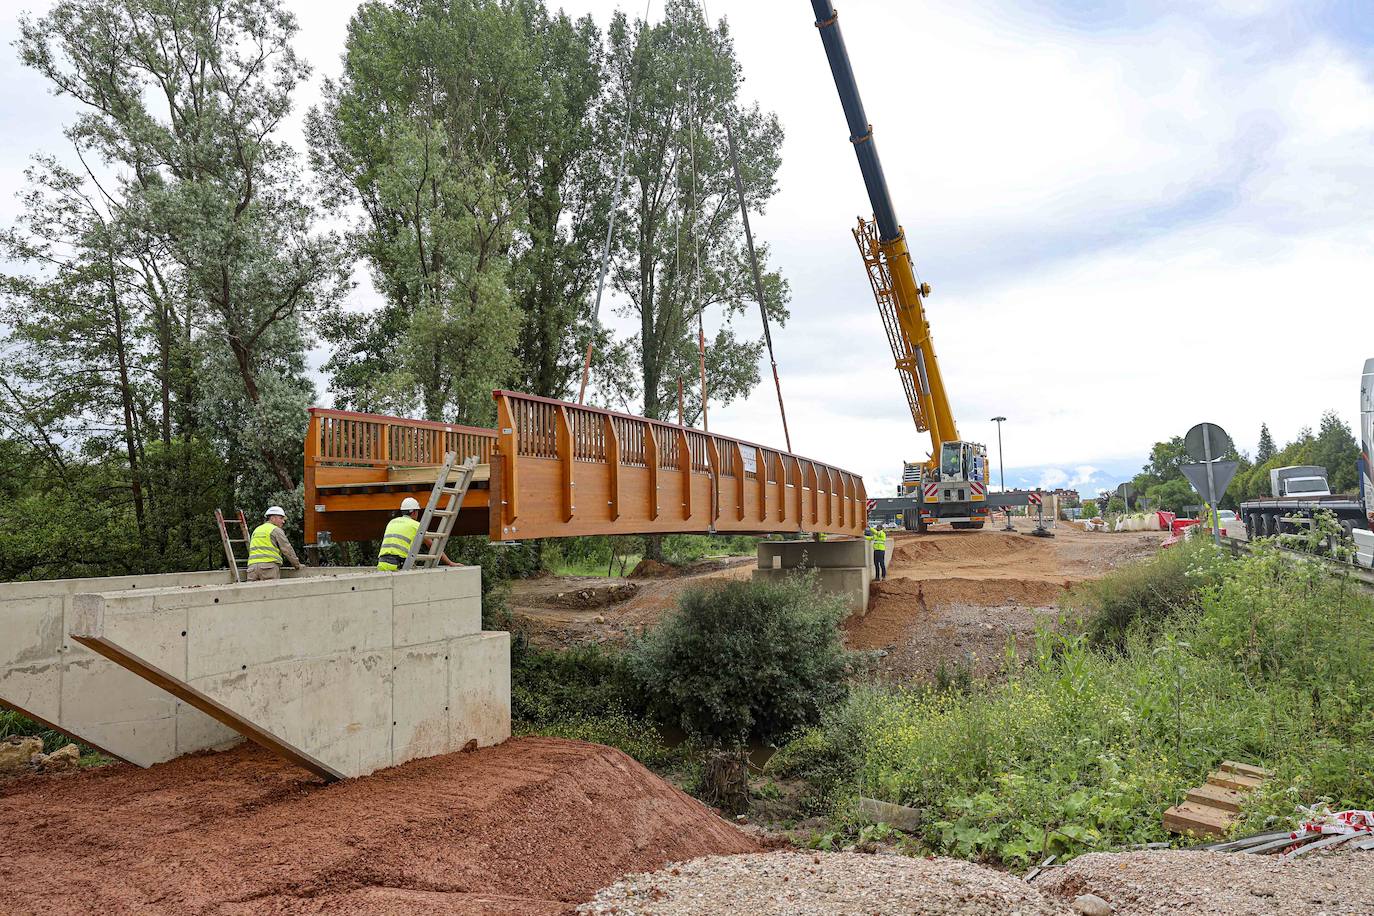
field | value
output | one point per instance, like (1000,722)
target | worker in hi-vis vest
(400,534)
(269,547)
(879,553)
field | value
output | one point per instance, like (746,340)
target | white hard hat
(410,504)
(274,510)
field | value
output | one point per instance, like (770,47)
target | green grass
(1084,748)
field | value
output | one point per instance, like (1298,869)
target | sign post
(1206,443)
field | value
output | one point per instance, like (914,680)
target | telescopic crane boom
(951,483)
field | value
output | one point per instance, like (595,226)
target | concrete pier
(842,567)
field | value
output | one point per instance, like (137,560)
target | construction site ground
(540,826)
(952,598)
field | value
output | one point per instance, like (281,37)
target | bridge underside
(555,469)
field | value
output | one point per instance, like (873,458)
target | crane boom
(882,244)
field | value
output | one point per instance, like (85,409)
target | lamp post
(1001,471)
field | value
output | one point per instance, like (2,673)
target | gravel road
(1226,884)
(1133,884)
(820,884)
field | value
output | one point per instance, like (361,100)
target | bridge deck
(555,469)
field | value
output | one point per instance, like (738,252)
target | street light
(1001,471)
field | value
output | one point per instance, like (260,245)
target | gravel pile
(1226,884)
(820,884)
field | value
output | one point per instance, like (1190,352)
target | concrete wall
(843,567)
(65,685)
(344,676)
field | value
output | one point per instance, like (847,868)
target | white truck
(1296,493)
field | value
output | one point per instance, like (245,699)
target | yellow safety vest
(879,539)
(260,547)
(400,533)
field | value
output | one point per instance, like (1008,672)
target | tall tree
(1266,448)
(183,100)
(680,258)
(465,131)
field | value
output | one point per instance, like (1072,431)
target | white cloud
(1127,230)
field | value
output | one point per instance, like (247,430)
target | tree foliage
(681,265)
(159,290)
(481,207)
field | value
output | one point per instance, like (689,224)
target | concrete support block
(850,584)
(329,673)
(68,687)
(850,553)
(479,689)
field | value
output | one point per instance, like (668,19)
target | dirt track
(533,826)
(952,600)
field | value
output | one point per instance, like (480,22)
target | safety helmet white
(274,510)
(410,504)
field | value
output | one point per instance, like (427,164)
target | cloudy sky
(1135,216)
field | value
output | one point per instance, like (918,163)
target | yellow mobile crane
(951,485)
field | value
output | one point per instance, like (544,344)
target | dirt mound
(595,596)
(652,569)
(533,826)
(897,605)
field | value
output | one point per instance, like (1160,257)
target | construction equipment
(951,484)
(238,568)
(434,540)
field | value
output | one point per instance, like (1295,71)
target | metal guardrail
(1358,573)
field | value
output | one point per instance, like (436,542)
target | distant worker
(400,534)
(879,553)
(269,546)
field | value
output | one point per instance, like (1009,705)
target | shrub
(744,661)
(1083,749)
(1146,594)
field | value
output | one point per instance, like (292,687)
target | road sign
(1207,442)
(1033,499)
(872,504)
(1211,487)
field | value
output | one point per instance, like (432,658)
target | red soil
(533,826)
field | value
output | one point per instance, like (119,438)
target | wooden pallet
(1211,809)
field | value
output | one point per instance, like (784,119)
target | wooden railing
(345,438)
(556,469)
(567,469)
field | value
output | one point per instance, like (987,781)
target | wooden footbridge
(557,469)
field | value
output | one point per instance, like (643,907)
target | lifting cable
(615,206)
(753,262)
(758,278)
(696,237)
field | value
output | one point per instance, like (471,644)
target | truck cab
(1304,486)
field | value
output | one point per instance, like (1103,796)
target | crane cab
(954,488)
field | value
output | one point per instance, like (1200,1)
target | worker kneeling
(269,547)
(401,532)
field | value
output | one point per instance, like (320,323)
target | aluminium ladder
(237,568)
(438,536)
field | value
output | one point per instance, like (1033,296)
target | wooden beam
(651,462)
(612,467)
(508,444)
(684,464)
(564,446)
